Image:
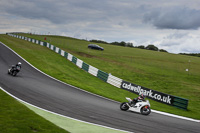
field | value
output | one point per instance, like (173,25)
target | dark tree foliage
(122,43)
(98,41)
(152,47)
(162,50)
(129,44)
(191,54)
(141,47)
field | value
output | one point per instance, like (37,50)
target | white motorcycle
(142,107)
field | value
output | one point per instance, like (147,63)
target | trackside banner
(154,95)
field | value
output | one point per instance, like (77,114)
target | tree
(129,44)
(152,47)
(141,47)
(98,41)
(122,43)
(114,43)
(162,50)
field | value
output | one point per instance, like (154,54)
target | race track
(38,89)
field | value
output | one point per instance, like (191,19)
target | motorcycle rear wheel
(145,110)
(124,106)
(14,73)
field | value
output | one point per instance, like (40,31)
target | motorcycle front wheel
(124,106)
(8,71)
(145,110)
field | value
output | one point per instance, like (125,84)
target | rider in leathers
(15,66)
(138,99)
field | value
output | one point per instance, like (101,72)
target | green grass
(16,118)
(73,126)
(156,70)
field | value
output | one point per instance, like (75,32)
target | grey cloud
(129,13)
(188,50)
(176,35)
(169,43)
(174,39)
(34,10)
(57,12)
(174,18)
(70,11)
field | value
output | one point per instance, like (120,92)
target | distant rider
(137,99)
(18,65)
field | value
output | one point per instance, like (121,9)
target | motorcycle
(142,107)
(14,70)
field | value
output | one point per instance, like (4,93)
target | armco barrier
(79,63)
(69,57)
(92,70)
(51,47)
(102,75)
(74,59)
(54,48)
(180,102)
(57,50)
(33,40)
(85,67)
(48,46)
(62,53)
(66,55)
(115,81)
(44,43)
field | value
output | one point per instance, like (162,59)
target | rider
(137,99)
(16,66)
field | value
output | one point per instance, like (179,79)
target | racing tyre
(14,73)
(124,106)
(145,110)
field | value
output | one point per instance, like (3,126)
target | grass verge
(16,118)
(71,125)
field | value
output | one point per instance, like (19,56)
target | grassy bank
(159,71)
(16,118)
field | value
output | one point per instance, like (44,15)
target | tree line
(124,44)
(191,54)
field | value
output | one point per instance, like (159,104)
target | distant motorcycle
(14,70)
(140,107)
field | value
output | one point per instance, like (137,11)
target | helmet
(19,63)
(141,96)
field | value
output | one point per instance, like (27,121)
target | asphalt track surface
(38,89)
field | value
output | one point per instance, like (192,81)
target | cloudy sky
(173,25)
